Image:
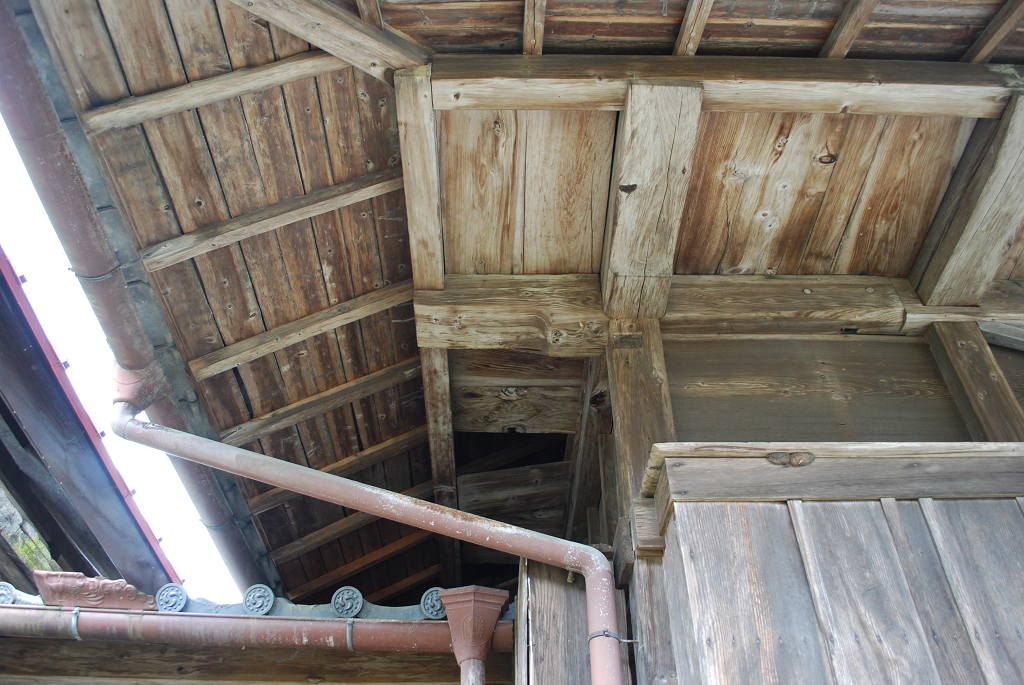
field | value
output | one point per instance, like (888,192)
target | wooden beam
(643,522)
(559,315)
(359,565)
(369,11)
(420,164)
(759,480)
(341,33)
(346,467)
(136,110)
(281,337)
(979,217)
(533,26)
(1002,301)
(595,420)
(656,139)
(531,497)
(979,388)
(516,409)
(641,406)
(694,20)
(345,393)
(753,84)
(189,245)
(1002,334)
(846,29)
(407,583)
(822,450)
(999,29)
(340,528)
(437,397)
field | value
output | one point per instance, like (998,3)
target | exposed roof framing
(849,25)
(996,33)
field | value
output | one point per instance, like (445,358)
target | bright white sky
(32,247)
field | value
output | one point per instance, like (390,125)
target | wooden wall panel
(533,497)
(515,409)
(830,388)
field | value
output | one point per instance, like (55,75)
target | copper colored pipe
(605,666)
(235,631)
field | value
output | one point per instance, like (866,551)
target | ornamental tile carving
(76,590)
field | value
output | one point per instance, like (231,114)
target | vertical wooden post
(533,26)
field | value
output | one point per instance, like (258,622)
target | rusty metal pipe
(51,164)
(235,631)
(472,672)
(590,563)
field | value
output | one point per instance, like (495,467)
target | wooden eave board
(190,170)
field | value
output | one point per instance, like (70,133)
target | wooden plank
(369,11)
(516,409)
(709,479)
(558,315)
(980,545)
(996,33)
(758,84)
(979,388)
(438,401)
(568,158)
(624,554)
(835,450)
(782,304)
(595,421)
(933,599)
(341,527)
(302,410)
(1003,301)
(557,619)
(855,14)
(346,467)
(342,34)
(530,497)
(284,336)
(408,583)
(871,628)
(645,527)
(533,26)
(500,368)
(612,509)
(979,219)
(420,166)
(746,590)
(359,565)
(136,110)
(692,29)
(655,662)
(656,138)
(641,406)
(1005,335)
(190,245)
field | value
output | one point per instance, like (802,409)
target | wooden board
(502,368)
(867,615)
(557,620)
(655,662)
(750,610)
(980,545)
(533,497)
(515,409)
(827,388)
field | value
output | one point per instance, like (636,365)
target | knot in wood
(791,458)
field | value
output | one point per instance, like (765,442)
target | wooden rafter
(342,34)
(406,583)
(694,20)
(855,14)
(1006,335)
(653,164)
(346,393)
(369,11)
(189,245)
(284,336)
(533,26)
(980,215)
(979,388)
(745,84)
(997,32)
(136,110)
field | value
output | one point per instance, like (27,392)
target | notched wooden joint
(791,458)
(629,341)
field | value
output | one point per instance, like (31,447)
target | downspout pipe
(44,148)
(605,667)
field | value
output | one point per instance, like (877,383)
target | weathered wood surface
(613,505)
(500,368)
(98,662)
(645,529)
(503,457)
(849,25)
(420,166)
(271,341)
(976,381)
(979,219)
(558,315)
(762,84)
(190,245)
(652,169)
(342,34)
(1003,301)
(518,409)
(650,613)
(954,657)
(836,450)
(556,620)
(533,26)
(980,545)
(751,617)
(641,405)
(1011,362)
(531,496)
(136,110)
(595,420)
(710,479)
(1004,335)
(871,628)
(692,29)
(782,304)
(401,586)
(998,31)
(822,388)
(438,401)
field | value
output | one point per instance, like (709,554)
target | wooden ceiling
(260,180)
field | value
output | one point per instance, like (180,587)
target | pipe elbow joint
(124,413)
